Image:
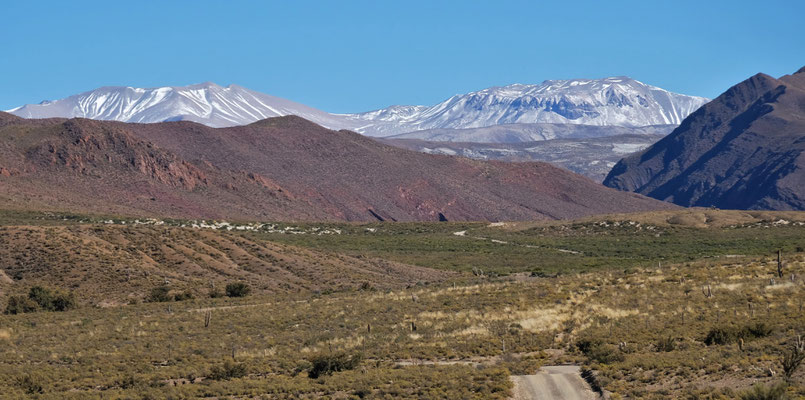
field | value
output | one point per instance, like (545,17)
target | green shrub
(159,294)
(227,371)
(329,363)
(41,296)
(20,304)
(63,302)
(237,289)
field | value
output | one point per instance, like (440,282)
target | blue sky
(350,56)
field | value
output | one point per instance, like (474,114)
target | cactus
(780,264)
(207,318)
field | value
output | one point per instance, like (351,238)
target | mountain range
(743,150)
(617,101)
(282,168)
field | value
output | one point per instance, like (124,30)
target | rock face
(743,150)
(284,168)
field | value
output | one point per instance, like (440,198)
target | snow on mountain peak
(618,101)
(207,103)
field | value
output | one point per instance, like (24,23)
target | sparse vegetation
(643,330)
(228,370)
(766,392)
(40,299)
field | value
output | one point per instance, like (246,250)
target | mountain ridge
(608,101)
(744,150)
(619,101)
(283,168)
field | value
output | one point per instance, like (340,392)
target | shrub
(237,289)
(727,335)
(63,302)
(30,385)
(227,371)
(665,344)
(598,351)
(758,330)
(763,392)
(720,336)
(159,294)
(327,364)
(41,296)
(186,295)
(20,304)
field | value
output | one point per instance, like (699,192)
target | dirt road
(560,382)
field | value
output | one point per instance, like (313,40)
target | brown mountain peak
(287,122)
(6,118)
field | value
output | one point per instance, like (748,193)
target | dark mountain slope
(743,150)
(283,168)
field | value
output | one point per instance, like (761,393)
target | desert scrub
(40,299)
(159,294)
(228,370)
(237,289)
(326,364)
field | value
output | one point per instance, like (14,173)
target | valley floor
(678,304)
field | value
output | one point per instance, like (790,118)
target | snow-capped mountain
(616,101)
(205,103)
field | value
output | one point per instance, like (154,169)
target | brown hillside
(743,150)
(283,168)
(114,264)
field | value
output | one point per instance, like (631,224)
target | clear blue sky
(349,56)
